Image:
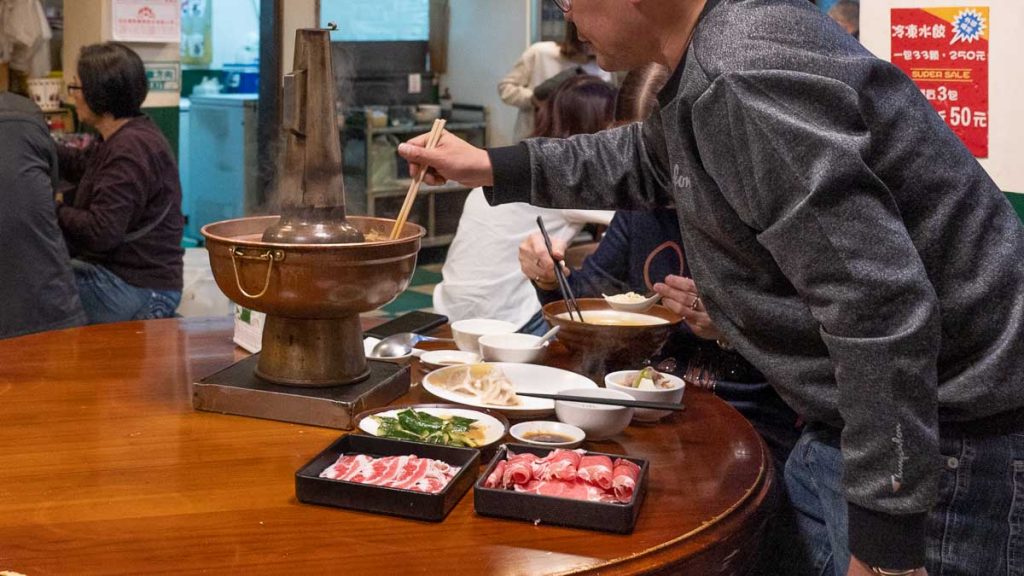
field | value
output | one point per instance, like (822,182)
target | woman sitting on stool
(123,221)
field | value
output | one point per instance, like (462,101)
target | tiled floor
(419,295)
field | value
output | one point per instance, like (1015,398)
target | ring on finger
(695,304)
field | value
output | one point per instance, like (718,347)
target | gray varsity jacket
(842,237)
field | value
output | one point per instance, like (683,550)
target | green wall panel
(1017,199)
(167,118)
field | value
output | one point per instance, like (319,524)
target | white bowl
(467,333)
(672,395)
(598,421)
(521,348)
(426,113)
(639,307)
(525,432)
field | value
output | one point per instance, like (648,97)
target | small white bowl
(467,333)
(436,359)
(672,395)
(639,307)
(598,421)
(426,113)
(520,348)
(525,432)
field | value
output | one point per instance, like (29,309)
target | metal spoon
(401,344)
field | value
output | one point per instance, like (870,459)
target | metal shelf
(418,128)
(440,226)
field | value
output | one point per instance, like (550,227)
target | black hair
(583,104)
(113,79)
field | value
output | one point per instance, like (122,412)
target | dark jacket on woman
(37,287)
(126,185)
(640,249)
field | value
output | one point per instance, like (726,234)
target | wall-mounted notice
(156,21)
(163,76)
(946,52)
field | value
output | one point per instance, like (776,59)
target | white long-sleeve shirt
(482,278)
(539,62)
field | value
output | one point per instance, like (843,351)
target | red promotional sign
(945,52)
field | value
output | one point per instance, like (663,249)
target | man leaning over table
(845,242)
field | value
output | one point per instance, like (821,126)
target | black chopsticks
(609,401)
(570,299)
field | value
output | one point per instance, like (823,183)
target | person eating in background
(37,288)
(844,241)
(480,275)
(123,220)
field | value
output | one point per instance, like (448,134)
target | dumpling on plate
(485,383)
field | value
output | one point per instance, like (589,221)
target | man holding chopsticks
(845,242)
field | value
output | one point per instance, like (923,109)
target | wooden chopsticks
(570,299)
(410,196)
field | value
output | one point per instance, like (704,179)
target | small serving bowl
(520,348)
(610,339)
(426,113)
(437,359)
(639,306)
(598,421)
(467,333)
(526,432)
(673,394)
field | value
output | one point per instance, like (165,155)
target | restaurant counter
(106,468)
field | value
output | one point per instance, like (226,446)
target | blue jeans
(108,298)
(975,528)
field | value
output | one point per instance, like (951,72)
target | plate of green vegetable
(444,424)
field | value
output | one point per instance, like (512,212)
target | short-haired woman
(123,221)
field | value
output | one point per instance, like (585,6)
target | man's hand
(858,568)
(452,159)
(535,262)
(679,294)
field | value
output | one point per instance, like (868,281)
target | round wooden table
(106,468)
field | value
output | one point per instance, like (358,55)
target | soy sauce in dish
(548,437)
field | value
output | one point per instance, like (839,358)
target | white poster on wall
(157,21)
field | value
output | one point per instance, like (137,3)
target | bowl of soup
(608,340)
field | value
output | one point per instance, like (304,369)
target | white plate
(494,429)
(443,358)
(525,378)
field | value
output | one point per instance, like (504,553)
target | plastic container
(605,516)
(312,489)
(242,78)
(45,92)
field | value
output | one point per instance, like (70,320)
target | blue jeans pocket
(977,526)
(161,304)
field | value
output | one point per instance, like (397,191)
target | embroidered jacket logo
(901,457)
(680,180)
